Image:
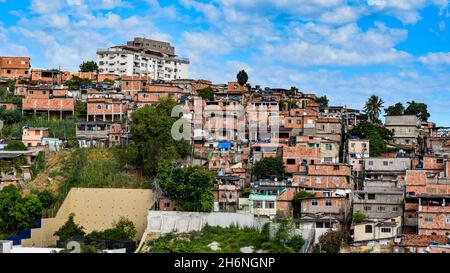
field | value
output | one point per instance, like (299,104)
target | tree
(373,108)
(124,229)
(152,137)
(191,188)
(76,82)
(376,134)
(271,167)
(242,77)
(70,230)
(418,109)
(46,198)
(16,145)
(323,101)
(293,91)
(80,109)
(206,93)
(331,242)
(89,66)
(395,110)
(358,217)
(17,212)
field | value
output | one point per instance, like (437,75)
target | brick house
(325,176)
(15,67)
(53,103)
(106,109)
(98,134)
(32,137)
(297,158)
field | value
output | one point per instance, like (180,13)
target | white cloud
(437,58)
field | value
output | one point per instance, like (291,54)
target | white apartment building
(143,57)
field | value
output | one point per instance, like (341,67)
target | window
(395,209)
(366,208)
(328,159)
(328,147)
(291,161)
(318,180)
(314,203)
(257,204)
(99,107)
(328,203)
(370,163)
(8,71)
(447,220)
(385,230)
(440,161)
(270,205)
(381,209)
(371,196)
(166,205)
(385,163)
(336,167)
(428,219)
(368,228)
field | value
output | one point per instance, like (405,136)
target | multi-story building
(98,134)
(48,101)
(427,204)
(405,129)
(143,57)
(15,67)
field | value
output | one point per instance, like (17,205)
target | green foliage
(61,129)
(271,167)
(242,77)
(418,109)
(303,195)
(293,91)
(70,230)
(17,212)
(108,81)
(395,110)
(331,242)
(76,82)
(80,109)
(377,135)
(373,109)
(230,239)
(124,229)
(89,66)
(206,93)
(359,217)
(152,137)
(191,188)
(16,145)
(46,198)
(10,117)
(323,101)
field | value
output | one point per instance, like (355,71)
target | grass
(230,240)
(84,168)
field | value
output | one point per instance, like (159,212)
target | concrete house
(405,129)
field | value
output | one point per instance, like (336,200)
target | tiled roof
(422,240)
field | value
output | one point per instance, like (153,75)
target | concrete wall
(176,221)
(96,209)
(393,164)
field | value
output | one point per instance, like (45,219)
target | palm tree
(373,108)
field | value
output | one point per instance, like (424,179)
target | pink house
(32,137)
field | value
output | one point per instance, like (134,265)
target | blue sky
(348,50)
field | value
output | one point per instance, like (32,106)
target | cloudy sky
(348,50)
